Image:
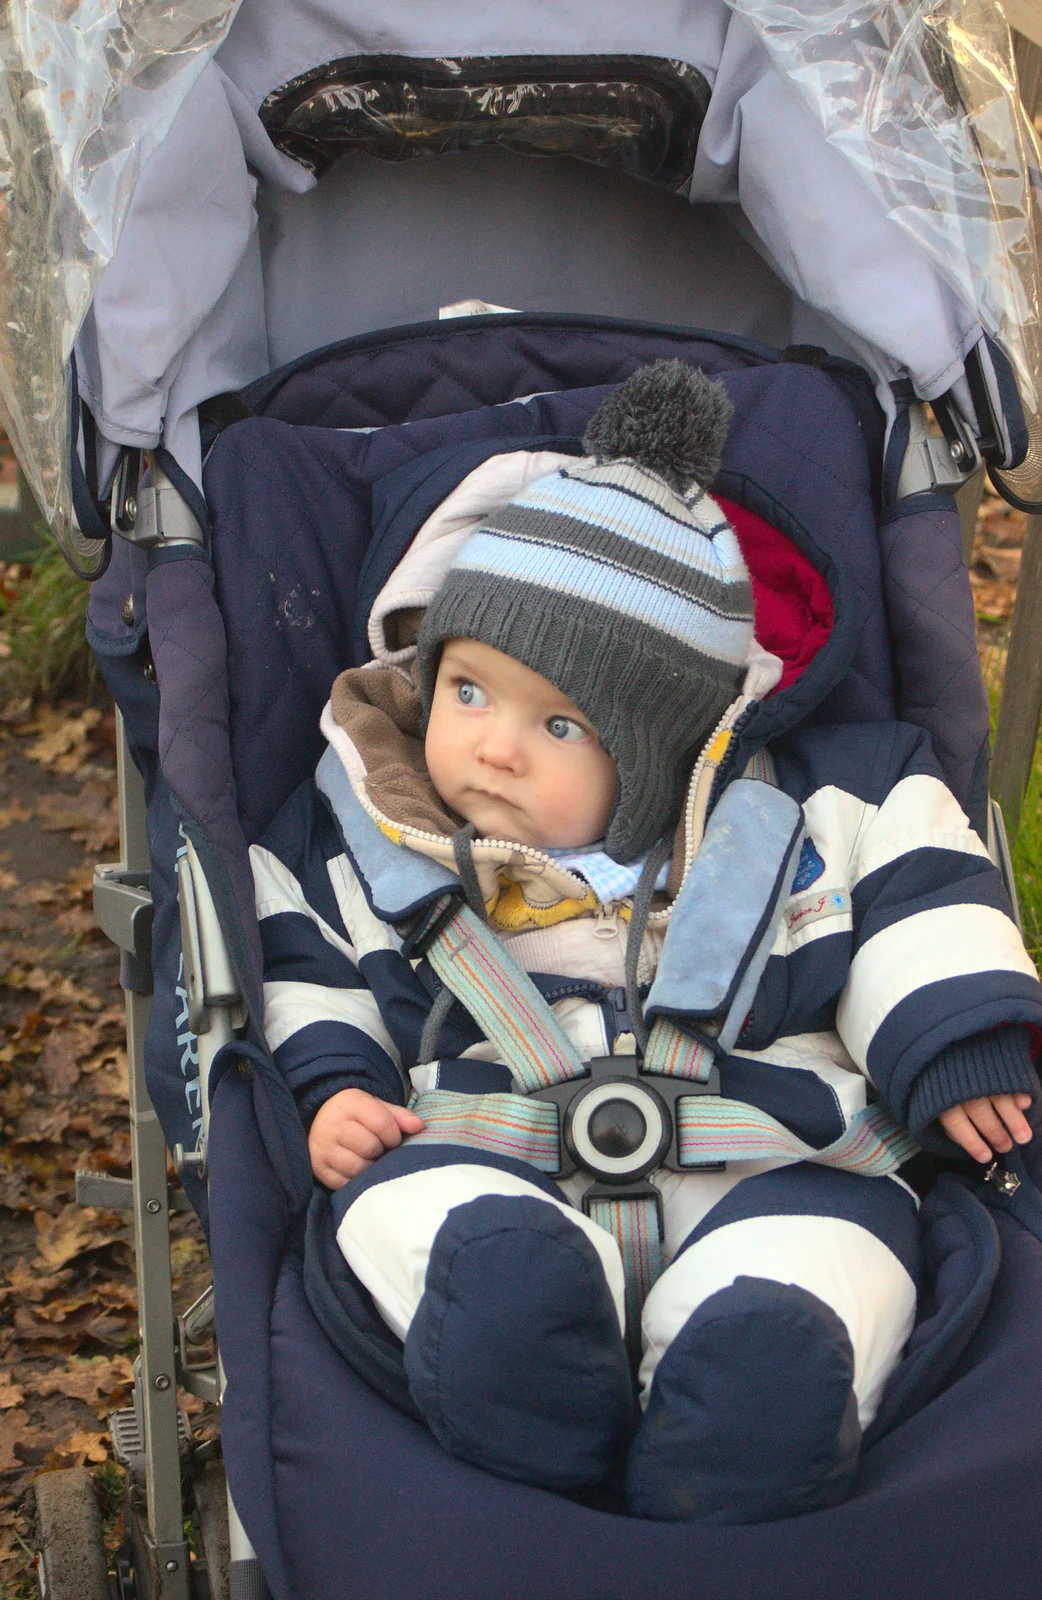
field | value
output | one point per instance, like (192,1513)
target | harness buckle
(618,1123)
(440,920)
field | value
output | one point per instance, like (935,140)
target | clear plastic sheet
(87,92)
(921,97)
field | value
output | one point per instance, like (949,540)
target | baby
(513,756)
(572,759)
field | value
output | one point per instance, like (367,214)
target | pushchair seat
(302,1432)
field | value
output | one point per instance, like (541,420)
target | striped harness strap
(710,1130)
(634,1224)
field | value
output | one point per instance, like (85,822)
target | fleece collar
(733,875)
(372,724)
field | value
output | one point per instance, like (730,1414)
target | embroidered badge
(809,869)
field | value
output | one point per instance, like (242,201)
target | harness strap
(710,1129)
(473,965)
(713,1129)
(634,1225)
(671,1053)
(508,1124)
(504,1002)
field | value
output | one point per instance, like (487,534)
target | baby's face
(513,755)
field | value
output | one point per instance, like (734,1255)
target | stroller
(291,341)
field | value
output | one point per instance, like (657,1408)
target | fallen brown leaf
(72,1232)
(992,561)
(114,1079)
(51,986)
(14,1098)
(26,1284)
(78,922)
(78,1448)
(42,1125)
(79,882)
(15,812)
(57,1063)
(37,894)
(11,1394)
(58,1339)
(14,1193)
(16,712)
(62,744)
(13,1430)
(85,1380)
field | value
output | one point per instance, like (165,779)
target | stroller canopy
(159,218)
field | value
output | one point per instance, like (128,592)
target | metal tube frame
(168,1552)
(216,1013)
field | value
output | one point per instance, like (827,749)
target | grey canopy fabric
(193,254)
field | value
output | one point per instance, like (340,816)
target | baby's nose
(501,747)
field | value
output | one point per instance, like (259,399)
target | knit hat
(621,581)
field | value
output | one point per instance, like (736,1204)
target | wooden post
(1021,705)
(21,525)
(968,501)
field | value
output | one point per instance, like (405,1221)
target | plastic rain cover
(921,98)
(920,95)
(88,90)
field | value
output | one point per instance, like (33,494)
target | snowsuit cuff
(996,1062)
(313,1097)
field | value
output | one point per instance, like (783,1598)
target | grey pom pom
(668,417)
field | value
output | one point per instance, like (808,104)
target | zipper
(616,1017)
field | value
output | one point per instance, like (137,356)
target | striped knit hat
(621,581)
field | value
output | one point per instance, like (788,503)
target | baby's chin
(513,827)
(500,822)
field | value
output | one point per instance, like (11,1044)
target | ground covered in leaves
(68,1319)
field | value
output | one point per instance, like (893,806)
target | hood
(412,585)
(395,615)
(373,719)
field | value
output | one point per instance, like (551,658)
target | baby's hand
(983,1127)
(351,1130)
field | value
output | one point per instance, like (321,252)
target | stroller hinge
(932,465)
(152,514)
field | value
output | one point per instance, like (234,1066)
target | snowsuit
(885,963)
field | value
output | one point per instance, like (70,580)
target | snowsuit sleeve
(321,1020)
(941,994)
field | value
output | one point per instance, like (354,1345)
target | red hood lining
(793,605)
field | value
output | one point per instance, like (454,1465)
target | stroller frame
(168,1479)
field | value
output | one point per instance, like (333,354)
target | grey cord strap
(463,855)
(432,1027)
(641,908)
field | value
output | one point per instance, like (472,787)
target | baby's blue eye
(468,694)
(565,728)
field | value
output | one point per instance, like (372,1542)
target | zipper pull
(623,1042)
(606,923)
